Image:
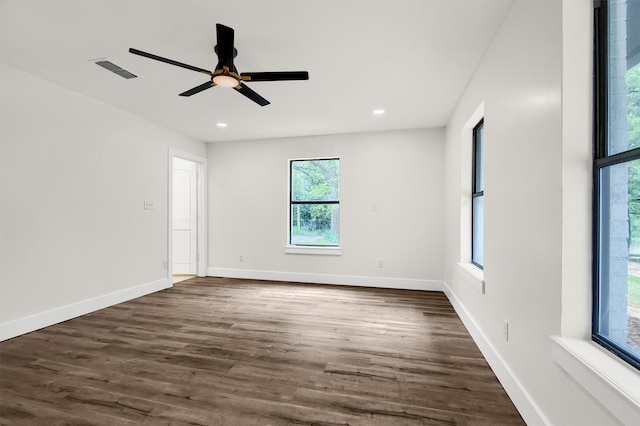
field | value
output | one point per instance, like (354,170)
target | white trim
(353,280)
(475,117)
(201,170)
(473,274)
(35,322)
(614,384)
(325,251)
(525,404)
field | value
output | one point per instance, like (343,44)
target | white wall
(520,83)
(73,177)
(391,208)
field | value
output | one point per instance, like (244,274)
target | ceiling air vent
(115,69)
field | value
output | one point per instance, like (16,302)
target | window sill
(324,251)
(473,274)
(611,381)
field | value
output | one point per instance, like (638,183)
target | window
(477,198)
(616,290)
(314,202)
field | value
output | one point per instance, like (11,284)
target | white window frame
(609,380)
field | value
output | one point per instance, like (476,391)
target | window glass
(618,316)
(616,311)
(315,202)
(478,232)
(478,159)
(477,203)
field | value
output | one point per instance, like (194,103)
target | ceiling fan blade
(224,48)
(169,61)
(244,89)
(275,76)
(198,89)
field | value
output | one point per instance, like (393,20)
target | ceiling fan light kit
(225,81)
(225,73)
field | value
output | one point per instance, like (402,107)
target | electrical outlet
(241,258)
(380,263)
(165,264)
(505,330)
(148,205)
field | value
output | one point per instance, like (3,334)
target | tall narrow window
(616,289)
(314,202)
(477,198)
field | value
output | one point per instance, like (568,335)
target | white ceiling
(412,58)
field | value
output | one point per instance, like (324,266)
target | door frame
(201,211)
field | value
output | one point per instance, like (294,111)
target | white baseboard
(527,407)
(34,322)
(353,280)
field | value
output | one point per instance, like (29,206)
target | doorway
(187,216)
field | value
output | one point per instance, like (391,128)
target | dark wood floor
(215,351)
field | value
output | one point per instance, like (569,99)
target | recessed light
(378,111)
(221,124)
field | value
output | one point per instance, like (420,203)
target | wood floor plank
(217,351)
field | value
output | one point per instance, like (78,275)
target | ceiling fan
(226,74)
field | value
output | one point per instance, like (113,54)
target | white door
(185,208)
